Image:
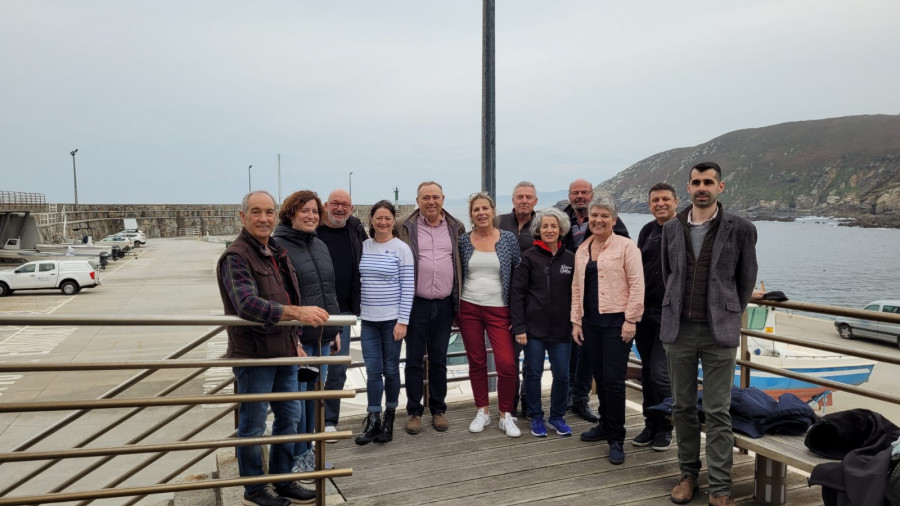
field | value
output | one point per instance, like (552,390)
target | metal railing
(115,401)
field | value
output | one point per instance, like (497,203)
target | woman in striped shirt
(387,287)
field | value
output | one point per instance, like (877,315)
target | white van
(69,276)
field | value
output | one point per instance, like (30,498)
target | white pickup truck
(69,276)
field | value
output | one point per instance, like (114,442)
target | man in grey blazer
(709,269)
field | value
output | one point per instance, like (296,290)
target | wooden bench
(773,456)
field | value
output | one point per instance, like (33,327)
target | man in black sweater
(657,431)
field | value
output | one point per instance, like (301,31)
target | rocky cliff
(842,167)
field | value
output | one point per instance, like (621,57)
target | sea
(813,259)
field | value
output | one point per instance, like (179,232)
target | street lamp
(350,177)
(249,183)
(74,175)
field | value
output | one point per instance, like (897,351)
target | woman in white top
(387,287)
(488,256)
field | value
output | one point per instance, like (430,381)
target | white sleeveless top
(483,285)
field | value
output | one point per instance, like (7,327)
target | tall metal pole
(74,176)
(488,132)
(249,182)
(279,177)
(350,183)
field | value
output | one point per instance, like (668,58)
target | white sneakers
(330,428)
(508,425)
(482,420)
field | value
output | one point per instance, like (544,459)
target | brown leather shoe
(414,424)
(684,490)
(440,422)
(721,500)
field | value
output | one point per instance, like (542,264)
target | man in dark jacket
(519,222)
(709,269)
(655,369)
(257,282)
(580,194)
(433,236)
(344,234)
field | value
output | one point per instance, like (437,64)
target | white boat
(74,249)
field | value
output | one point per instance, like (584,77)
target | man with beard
(344,234)
(716,251)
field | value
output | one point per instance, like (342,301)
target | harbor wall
(59,222)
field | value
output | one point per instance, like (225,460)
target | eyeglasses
(344,205)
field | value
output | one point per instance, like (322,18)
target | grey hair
(604,201)
(245,201)
(551,212)
(525,184)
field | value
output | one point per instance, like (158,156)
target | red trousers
(474,321)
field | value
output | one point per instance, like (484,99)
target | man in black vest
(344,234)
(257,282)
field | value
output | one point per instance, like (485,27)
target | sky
(170,102)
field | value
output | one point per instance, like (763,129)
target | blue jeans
(252,419)
(429,329)
(382,356)
(307,421)
(534,368)
(336,377)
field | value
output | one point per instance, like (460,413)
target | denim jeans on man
(336,377)
(382,357)
(695,339)
(534,369)
(252,419)
(307,420)
(429,329)
(608,355)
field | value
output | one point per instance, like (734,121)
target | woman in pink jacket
(607,301)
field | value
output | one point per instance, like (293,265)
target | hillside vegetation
(842,167)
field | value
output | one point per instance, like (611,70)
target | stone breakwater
(156,220)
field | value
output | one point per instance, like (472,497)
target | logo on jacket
(565,269)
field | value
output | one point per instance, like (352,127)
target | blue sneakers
(560,426)
(537,427)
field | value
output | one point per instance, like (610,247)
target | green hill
(842,167)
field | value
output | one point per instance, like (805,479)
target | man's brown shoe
(440,422)
(721,500)
(414,424)
(684,490)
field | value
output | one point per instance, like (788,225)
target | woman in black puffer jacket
(539,305)
(300,214)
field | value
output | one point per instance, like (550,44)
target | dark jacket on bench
(862,438)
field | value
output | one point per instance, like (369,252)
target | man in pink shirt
(433,236)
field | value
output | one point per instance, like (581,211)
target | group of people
(569,286)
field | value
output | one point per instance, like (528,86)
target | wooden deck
(457,467)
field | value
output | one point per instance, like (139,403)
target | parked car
(850,328)
(69,276)
(137,237)
(122,242)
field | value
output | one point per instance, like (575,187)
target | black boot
(372,430)
(387,427)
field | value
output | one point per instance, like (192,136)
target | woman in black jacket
(300,214)
(539,304)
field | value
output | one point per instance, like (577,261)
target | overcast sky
(170,102)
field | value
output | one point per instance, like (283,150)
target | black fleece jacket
(540,296)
